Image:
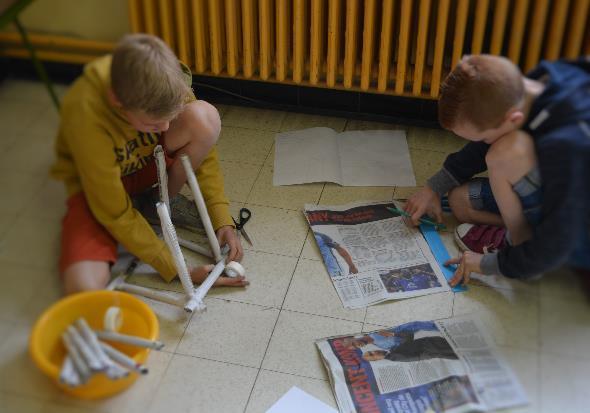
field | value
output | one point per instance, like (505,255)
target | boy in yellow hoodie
(111,119)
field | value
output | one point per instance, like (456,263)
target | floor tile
(19,190)
(29,155)
(426,163)
(310,248)
(438,140)
(563,283)
(311,291)
(136,399)
(35,241)
(19,404)
(7,220)
(292,348)
(229,332)
(292,197)
(428,307)
(270,386)
(20,284)
(6,328)
(296,121)
(251,118)
(222,109)
(564,384)
(213,387)
(244,145)
(510,315)
(565,326)
(49,202)
(277,231)
(29,91)
(239,178)
(173,323)
(16,117)
(334,194)
(19,374)
(525,365)
(269,277)
(404,192)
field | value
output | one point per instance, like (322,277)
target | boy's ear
(515,116)
(113,98)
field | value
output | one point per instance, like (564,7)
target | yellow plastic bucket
(48,352)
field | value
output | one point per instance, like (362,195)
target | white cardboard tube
(202,208)
(172,241)
(77,359)
(162,175)
(68,374)
(153,294)
(215,273)
(123,359)
(86,350)
(193,246)
(90,337)
(131,340)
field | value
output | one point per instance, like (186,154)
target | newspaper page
(371,255)
(421,366)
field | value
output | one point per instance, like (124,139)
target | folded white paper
(352,158)
(297,401)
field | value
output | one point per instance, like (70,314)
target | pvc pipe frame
(202,208)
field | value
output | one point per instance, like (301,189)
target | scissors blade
(246,236)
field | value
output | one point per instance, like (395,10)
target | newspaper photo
(371,255)
(423,366)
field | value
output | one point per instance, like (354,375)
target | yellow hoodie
(96,146)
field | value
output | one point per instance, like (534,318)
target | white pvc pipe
(172,241)
(123,359)
(200,202)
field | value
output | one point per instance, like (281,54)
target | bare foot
(199,274)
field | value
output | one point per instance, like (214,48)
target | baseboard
(321,101)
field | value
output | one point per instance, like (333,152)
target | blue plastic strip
(440,254)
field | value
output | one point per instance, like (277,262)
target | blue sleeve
(469,161)
(417,326)
(564,172)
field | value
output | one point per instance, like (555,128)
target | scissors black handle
(245,215)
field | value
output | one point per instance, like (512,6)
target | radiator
(400,47)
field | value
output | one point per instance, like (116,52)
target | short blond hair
(147,76)
(481,89)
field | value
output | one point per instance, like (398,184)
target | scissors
(245,215)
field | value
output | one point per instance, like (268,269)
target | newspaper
(424,366)
(371,255)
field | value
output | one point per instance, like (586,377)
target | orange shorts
(83,238)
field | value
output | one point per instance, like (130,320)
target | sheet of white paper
(375,158)
(353,158)
(297,401)
(309,155)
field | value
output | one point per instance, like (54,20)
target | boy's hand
(425,201)
(466,264)
(227,235)
(199,274)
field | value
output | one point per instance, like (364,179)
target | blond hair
(481,89)
(147,76)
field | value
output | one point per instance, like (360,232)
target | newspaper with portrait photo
(371,255)
(423,366)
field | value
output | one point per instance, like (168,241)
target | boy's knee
(203,118)
(460,203)
(86,276)
(513,149)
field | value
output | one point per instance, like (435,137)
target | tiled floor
(254,344)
